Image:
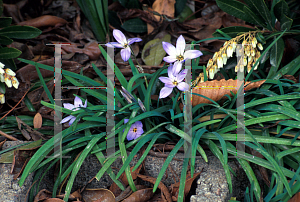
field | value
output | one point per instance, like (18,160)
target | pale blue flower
(178,55)
(135,131)
(122,42)
(77,104)
(175,79)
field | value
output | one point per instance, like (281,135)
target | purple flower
(75,107)
(174,80)
(135,131)
(122,42)
(178,55)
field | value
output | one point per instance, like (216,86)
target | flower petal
(180,45)
(191,54)
(170,59)
(114,45)
(66,119)
(126,120)
(72,120)
(176,68)
(69,106)
(169,48)
(132,40)
(182,75)
(138,124)
(130,135)
(170,72)
(77,102)
(183,86)
(165,80)
(165,92)
(119,36)
(125,54)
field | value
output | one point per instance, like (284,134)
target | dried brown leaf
(45,20)
(188,184)
(37,120)
(215,90)
(98,195)
(161,186)
(142,195)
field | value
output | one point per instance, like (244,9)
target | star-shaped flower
(77,104)
(178,55)
(174,80)
(135,131)
(122,42)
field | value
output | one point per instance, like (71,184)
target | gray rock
(9,188)
(211,185)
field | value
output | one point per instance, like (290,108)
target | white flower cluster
(7,76)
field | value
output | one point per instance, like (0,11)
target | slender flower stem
(140,69)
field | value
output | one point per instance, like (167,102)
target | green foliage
(17,32)
(96,11)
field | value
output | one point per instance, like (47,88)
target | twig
(16,104)
(8,136)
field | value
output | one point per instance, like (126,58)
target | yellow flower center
(125,45)
(180,58)
(134,130)
(175,83)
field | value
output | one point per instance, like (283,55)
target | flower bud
(211,73)
(241,68)
(10,72)
(256,66)
(2,71)
(254,42)
(8,82)
(233,46)
(249,68)
(2,98)
(244,43)
(236,69)
(260,47)
(247,51)
(220,62)
(1,65)
(15,82)
(245,61)
(1,78)
(224,57)
(229,51)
